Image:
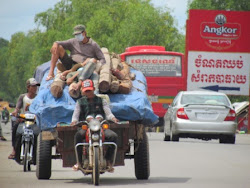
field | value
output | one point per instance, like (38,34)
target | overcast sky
(18,15)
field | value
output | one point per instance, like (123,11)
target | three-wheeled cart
(132,144)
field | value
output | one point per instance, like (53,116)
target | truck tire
(141,159)
(43,158)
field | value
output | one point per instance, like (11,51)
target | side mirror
(165,106)
(12,105)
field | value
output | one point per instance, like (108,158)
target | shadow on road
(131,181)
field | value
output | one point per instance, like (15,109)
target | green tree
(235,5)
(3,64)
(18,63)
(114,24)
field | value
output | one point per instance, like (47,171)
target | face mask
(79,37)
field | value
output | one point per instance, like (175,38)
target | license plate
(206,115)
(28,132)
(153,98)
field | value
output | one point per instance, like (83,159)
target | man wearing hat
(83,50)
(22,106)
(88,107)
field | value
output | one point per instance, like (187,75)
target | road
(189,163)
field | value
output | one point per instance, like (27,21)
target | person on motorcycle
(1,134)
(5,115)
(83,50)
(90,106)
(22,106)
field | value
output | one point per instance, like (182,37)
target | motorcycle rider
(5,115)
(22,106)
(90,106)
(1,134)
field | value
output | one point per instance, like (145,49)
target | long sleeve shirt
(109,115)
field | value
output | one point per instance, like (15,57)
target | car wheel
(175,138)
(230,139)
(227,139)
(166,137)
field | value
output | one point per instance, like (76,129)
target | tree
(18,64)
(234,5)
(114,24)
(3,64)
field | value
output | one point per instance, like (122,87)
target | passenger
(92,105)
(83,50)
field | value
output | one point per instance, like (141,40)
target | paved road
(189,163)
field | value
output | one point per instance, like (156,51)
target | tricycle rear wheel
(43,158)
(141,160)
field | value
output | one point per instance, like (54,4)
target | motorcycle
(5,119)
(27,128)
(93,159)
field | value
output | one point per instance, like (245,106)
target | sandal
(49,77)
(11,156)
(2,138)
(75,167)
(110,169)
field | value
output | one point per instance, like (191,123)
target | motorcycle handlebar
(80,123)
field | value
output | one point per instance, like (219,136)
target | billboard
(218,51)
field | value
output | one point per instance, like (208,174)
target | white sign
(156,65)
(224,72)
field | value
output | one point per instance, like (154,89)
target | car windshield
(204,99)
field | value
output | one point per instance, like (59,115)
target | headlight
(95,137)
(94,125)
(30,116)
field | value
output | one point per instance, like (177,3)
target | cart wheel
(141,160)
(43,158)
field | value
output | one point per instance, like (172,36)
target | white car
(200,114)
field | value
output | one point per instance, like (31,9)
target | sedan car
(204,115)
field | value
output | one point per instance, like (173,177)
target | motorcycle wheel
(25,159)
(29,169)
(96,167)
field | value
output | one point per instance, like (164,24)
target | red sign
(214,30)
(218,51)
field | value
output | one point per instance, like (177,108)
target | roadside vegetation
(115,25)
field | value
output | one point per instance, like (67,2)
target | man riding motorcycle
(5,115)
(88,107)
(22,106)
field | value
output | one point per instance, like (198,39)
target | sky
(18,15)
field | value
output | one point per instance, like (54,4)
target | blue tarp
(133,106)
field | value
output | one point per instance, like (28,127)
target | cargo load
(132,106)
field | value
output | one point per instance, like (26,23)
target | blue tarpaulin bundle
(133,106)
